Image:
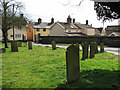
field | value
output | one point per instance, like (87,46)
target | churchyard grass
(43,67)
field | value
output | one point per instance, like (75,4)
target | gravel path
(107,49)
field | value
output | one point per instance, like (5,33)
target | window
(83,29)
(69,31)
(37,30)
(29,29)
(44,30)
(17,35)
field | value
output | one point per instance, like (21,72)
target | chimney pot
(21,15)
(86,22)
(52,20)
(69,19)
(74,20)
(39,21)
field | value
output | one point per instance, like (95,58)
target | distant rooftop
(43,25)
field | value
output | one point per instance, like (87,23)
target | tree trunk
(5,39)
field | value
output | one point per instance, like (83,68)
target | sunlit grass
(43,67)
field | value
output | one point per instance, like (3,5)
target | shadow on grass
(95,79)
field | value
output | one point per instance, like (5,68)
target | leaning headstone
(96,47)
(53,45)
(29,45)
(14,46)
(85,47)
(72,64)
(19,44)
(92,50)
(101,47)
(2,50)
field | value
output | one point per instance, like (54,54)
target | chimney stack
(21,15)
(74,20)
(39,21)
(52,20)
(86,22)
(69,19)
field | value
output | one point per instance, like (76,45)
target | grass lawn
(43,67)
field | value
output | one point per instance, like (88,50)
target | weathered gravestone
(85,48)
(101,47)
(14,46)
(2,50)
(29,45)
(72,64)
(19,44)
(53,45)
(96,47)
(77,45)
(25,44)
(92,50)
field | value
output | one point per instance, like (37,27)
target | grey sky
(60,9)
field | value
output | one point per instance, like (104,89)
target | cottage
(38,29)
(20,33)
(113,30)
(70,28)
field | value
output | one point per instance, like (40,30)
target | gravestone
(29,45)
(72,64)
(77,45)
(96,47)
(53,45)
(25,44)
(101,47)
(92,50)
(19,44)
(14,46)
(85,48)
(2,50)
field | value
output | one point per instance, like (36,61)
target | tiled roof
(68,25)
(116,33)
(75,34)
(79,25)
(43,25)
(113,28)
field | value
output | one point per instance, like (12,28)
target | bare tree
(9,10)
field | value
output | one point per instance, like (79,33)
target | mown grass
(43,67)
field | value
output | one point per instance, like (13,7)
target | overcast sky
(60,9)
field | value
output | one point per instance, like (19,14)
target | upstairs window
(37,30)
(69,30)
(29,29)
(83,29)
(17,35)
(44,30)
